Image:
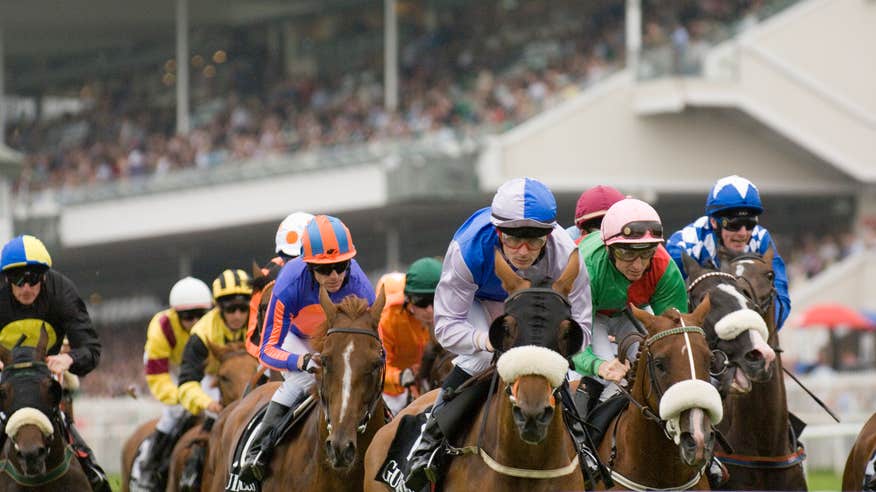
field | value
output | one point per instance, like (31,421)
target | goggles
(516,242)
(21,277)
(421,300)
(328,268)
(191,314)
(626,254)
(231,308)
(638,230)
(733,224)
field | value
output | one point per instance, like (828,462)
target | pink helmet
(631,221)
(594,202)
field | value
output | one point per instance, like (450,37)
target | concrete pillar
(634,34)
(390,56)
(866,216)
(2,91)
(183,123)
(393,247)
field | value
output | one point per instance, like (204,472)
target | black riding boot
(150,464)
(423,461)
(95,474)
(259,454)
(717,473)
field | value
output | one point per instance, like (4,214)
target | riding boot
(717,473)
(259,454)
(150,463)
(424,461)
(95,474)
(589,460)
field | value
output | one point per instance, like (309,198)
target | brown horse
(766,454)
(36,455)
(859,456)
(519,440)
(323,451)
(664,438)
(236,370)
(435,365)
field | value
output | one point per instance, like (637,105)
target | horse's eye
(660,364)
(771,276)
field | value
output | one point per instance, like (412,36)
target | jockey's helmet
(733,192)
(423,276)
(190,293)
(327,240)
(393,284)
(291,232)
(593,203)
(633,224)
(524,204)
(232,284)
(25,251)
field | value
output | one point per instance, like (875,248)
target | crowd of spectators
(810,254)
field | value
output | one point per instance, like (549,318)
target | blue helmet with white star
(733,192)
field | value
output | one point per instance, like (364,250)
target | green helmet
(423,276)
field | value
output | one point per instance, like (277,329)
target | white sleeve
(453,300)
(582,301)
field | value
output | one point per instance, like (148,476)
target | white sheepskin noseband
(533,360)
(28,416)
(731,325)
(692,393)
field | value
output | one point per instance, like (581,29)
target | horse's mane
(233,349)
(351,306)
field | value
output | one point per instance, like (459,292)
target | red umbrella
(834,316)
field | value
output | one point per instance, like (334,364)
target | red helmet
(594,202)
(327,240)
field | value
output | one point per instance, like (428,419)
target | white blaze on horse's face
(744,319)
(740,267)
(347,380)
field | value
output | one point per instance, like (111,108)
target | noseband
(363,424)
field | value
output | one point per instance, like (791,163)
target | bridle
(748,290)
(363,424)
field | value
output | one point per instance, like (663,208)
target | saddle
(290,420)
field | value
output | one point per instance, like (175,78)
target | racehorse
(435,365)
(36,455)
(236,368)
(517,440)
(860,455)
(766,453)
(324,450)
(664,438)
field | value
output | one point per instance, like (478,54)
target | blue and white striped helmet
(524,202)
(731,192)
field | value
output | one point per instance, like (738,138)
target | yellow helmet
(231,283)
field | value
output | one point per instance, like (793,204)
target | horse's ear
(570,273)
(216,350)
(646,318)
(41,344)
(699,314)
(5,356)
(503,333)
(377,307)
(691,267)
(769,254)
(569,338)
(725,255)
(511,282)
(256,270)
(328,307)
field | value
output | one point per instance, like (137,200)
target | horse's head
(535,336)
(672,374)
(29,397)
(236,368)
(350,379)
(736,332)
(756,278)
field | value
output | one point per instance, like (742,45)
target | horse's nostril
(547,414)
(754,356)
(350,452)
(518,414)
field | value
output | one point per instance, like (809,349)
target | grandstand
(136,171)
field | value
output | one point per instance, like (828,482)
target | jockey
(731,220)
(223,324)
(406,326)
(288,247)
(166,337)
(626,264)
(591,207)
(295,315)
(520,223)
(35,295)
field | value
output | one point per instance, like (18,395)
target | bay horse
(518,439)
(235,374)
(859,456)
(766,453)
(664,438)
(323,452)
(36,455)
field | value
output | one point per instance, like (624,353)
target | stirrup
(717,473)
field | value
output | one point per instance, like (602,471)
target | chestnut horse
(36,455)
(859,457)
(236,369)
(664,439)
(766,454)
(518,440)
(323,451)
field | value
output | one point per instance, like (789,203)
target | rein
(377,394)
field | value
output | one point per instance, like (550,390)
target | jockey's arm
(387,336)
(780,281)
(84,342)
(586,362)
(582,301)
(454,297)
(192,397)
(675,246)
(276,329)
(156,358)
